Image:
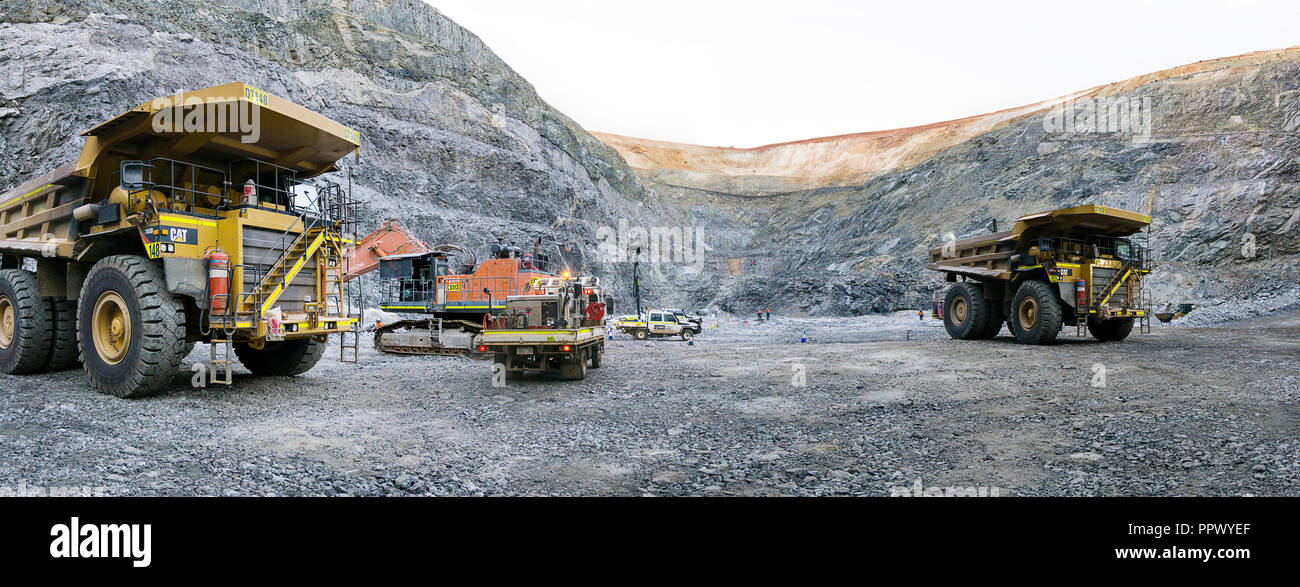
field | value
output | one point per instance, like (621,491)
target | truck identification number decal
(256,96)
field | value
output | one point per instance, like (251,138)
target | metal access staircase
(287,267)
(349,293)
(1112,285)
(1100,296)
(1081,322)
(1144,321)
(1097,297)
(220,365)
(337,299)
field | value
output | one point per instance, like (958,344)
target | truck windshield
(1123,249)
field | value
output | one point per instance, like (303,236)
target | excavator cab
(412,277)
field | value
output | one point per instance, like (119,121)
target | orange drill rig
(446,285)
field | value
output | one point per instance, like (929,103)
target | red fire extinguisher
(218,279)
(1080,294)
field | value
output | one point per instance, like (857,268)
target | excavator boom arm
(391,239)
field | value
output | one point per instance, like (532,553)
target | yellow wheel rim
(8,322)
(111,327)
(959,309)
(1028,313)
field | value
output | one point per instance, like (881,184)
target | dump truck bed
(988,255)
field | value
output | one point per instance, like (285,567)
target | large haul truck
(1076,266)
(199,217)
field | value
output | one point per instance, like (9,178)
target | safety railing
(1096,247)
(171,184)
(454,292)
(315,206)
(466,291)
(403,291)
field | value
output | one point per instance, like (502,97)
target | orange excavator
(391,239)
(445,284)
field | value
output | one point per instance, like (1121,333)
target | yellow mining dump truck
(190,218)
(1076,265)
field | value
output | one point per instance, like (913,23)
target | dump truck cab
(201,216)
(1079,265)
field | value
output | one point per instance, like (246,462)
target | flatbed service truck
(557,331)
(1078,265)
(198,217)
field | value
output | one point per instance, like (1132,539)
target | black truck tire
(1035,313)
(640,334)
(65,353)
(282,357)
(24,324)
(966,312)
(1115,329)
(597,353)
(130,328)
(995,320)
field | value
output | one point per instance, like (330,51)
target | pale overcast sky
(748,73)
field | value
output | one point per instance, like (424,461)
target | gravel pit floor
(869,406)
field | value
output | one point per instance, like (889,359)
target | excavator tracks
(424,333)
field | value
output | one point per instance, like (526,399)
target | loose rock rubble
(747,410)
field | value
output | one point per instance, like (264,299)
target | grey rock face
(462,149)
(1216,169)
(454,142)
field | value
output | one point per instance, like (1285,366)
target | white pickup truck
(657,324)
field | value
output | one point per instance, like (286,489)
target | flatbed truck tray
(540,336)
(568,350)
